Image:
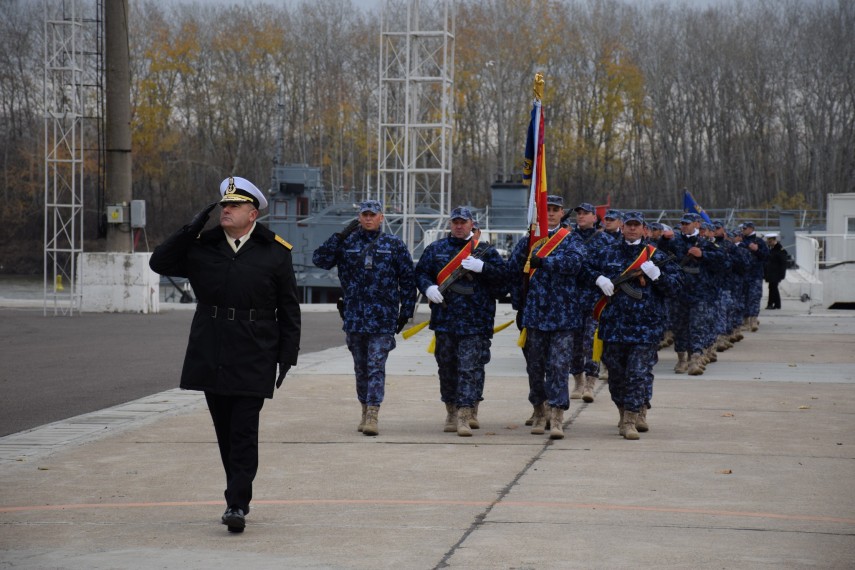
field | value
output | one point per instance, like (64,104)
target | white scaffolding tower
(415,115)
(66,38)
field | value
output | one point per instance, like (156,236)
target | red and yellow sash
(449,268)
(549,247)
(645,255)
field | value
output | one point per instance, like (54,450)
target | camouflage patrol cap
(555,200)
(461,213)
(585,206)
(371,206)
(688,218)
(655,226)
(613,215)
(633,217)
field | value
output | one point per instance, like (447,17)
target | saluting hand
(200,219)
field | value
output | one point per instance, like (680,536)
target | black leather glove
(402,322)
(200,219)
(349,229)
(283,370)
(519,320)
(535,262)
(339,304)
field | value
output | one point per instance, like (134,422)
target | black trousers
(774,295)
(236,423)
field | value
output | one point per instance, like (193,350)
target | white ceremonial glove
(651,270)
(606,286)
(433,294)
(473,264)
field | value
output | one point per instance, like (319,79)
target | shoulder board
(283,242)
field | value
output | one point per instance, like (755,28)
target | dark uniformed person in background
(612,222)
(631,328)
(247,322)
(776,269)
(376,274)
(462,317)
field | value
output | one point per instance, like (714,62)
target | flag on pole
(689,205)
(534,168)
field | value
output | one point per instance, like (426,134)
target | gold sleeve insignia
(283,242)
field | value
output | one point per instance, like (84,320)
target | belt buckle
(230,313)
(252,314)
(214,312)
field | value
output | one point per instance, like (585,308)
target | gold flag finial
(538,86)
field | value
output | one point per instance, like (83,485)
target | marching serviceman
(754,276)
(545,294)
(379,294)
(632,316)
(247,323)
(583,367)
(700,260)
(462,280)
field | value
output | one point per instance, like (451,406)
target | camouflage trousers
(753,296)
(630,373)
(370,352)
(548,355)
(689,325)
(461,360)
(583,349)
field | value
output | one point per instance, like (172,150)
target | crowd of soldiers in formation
(634,287)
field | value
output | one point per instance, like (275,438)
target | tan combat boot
(578,382)
(473,419)
(362,421)
(620,420)
(588,391)
(538,427)
(530,420)
(463,415)
(450,419)
(641,421)
(556,430)
(695,366)
(712,355)
(737,333)
(370,427)
(682,364)
(629,430)
(755,324)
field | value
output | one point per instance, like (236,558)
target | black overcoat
(235,356)
(776,264)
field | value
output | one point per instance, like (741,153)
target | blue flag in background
(689,205)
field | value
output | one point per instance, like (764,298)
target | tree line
(745,103)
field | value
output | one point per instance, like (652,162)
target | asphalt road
(53,368)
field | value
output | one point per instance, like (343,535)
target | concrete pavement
(748,466)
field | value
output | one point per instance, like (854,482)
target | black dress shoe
(234,519)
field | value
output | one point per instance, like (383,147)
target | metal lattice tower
(67,45)
(415,115)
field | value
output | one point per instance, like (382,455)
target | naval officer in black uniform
(247,324)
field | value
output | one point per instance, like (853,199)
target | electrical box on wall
(117,214)
(137,213)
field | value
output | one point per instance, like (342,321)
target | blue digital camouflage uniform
(754,275)
(592,242)
(463,323)
(741,259)
(550,315)
(378,285)
(693,306)
(631,328)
